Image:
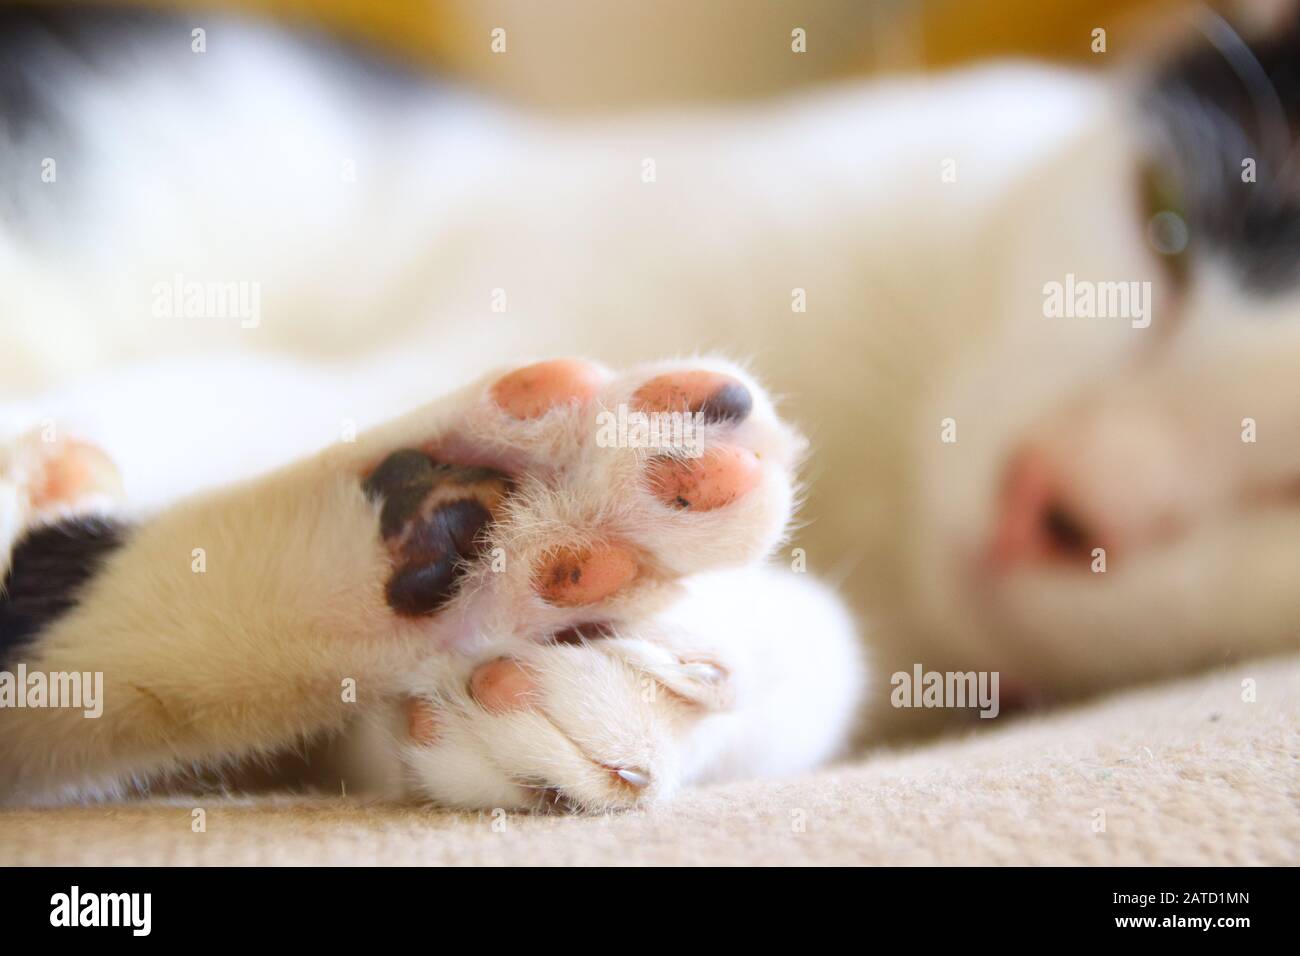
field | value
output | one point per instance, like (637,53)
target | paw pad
(573,577)
(533,391)
(717,397)
(502,685)
(421,722)
(714,480)
(67,472)
(432,520)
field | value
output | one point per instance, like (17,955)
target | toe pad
(533,391)
(573,577)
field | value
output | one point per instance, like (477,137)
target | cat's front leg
(234,624)
(516,510)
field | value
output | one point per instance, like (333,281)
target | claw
(552,799)
(704,671)
(634,777)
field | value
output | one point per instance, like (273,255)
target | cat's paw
(540,502)
(46,476)
(585,723)
(564,496)
(58,474)
(549,528)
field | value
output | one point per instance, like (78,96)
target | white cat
(1073,493)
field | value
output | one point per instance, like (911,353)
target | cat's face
(1122,497)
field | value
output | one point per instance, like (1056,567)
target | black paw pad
(419,589)
(432,520)
(407,468)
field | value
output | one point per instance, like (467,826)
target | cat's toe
(535,390)
(556,727)
(715,396)
(714,480)
(579,576)
(503,685)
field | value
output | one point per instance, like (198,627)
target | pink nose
(1036,521)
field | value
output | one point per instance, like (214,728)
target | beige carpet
(1185,773)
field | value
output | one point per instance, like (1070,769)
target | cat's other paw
(585,724)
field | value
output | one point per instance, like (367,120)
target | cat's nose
(1116,478)
(1038,517)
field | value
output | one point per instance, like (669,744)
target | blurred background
(671,51)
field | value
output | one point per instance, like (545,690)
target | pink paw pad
(502,685)
(79,469)
(717,397)
(714,480)
(421,722)
(532,391)
(573,577)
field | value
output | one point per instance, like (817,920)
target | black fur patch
(1226,103)
(51,566)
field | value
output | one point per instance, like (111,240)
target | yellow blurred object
(959,30)
(414,30)
(596,54)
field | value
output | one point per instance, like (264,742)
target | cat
(1037,326)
